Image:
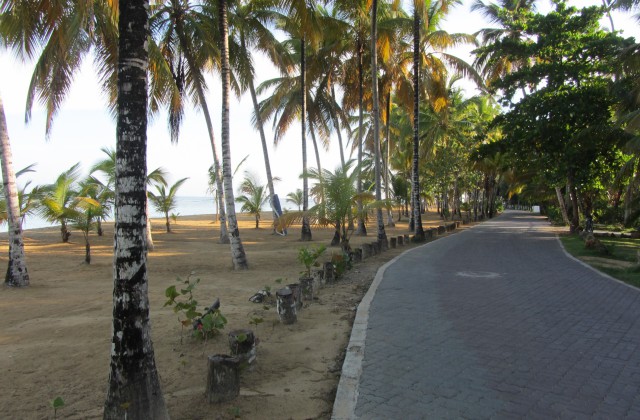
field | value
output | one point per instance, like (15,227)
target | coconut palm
(248,22)
(164,200)
(381,234)
(300,21)
(17,274)
(238,255)
(491,65)
(88,210)
(296,198)
(253,196)
(57,203)
(133,376)
(187,40)
(340,198)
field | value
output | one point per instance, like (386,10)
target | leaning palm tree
(188,44)
(17,274)
(253,197)
(238,255)
(164,200)
(249,22)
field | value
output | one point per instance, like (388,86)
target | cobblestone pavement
(495,322)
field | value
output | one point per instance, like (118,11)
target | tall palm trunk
(387,187)
(336,122)
(134,387)
(415,200)
(238,255)
(222,215)
(148,236)
(306,227)
(316,149)
(382,236)
(362,227)
(17,274)
(265,150)
(224,234)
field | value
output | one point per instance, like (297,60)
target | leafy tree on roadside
(563,126)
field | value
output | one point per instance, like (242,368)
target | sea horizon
(186,206)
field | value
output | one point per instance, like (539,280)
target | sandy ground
(55,335)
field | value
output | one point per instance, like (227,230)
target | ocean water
(187,206)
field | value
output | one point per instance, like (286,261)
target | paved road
(493,322)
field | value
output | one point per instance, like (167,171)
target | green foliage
(341,262)
(621,251)
(308,257)
(182,301)
(56,404)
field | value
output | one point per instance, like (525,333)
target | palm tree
(134,386)
(188,42)
(382,236)
(238,256)
(296,198)
(253,197)
(357,12)
(340,200)
(300,21)
(58,201)
(87,211)
(248,21)
(165,200)
(17,274)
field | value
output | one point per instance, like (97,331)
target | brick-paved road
(497,322)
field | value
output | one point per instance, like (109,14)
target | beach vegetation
(58,201)
(164,199)
(253,196)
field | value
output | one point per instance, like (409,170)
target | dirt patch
(55,335)
(607,262)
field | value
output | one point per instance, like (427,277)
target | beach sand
(55,335)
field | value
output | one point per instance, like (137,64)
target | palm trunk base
(305,235)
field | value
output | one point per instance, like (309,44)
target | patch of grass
(619,249)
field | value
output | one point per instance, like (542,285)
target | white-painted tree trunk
(17,274)
(238,255)
(134,387)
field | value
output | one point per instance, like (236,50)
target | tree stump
(406,239)
(223,378)
(441,230)
(306,284)
(375,246)
(297,294)
(329,272)
(366,251)
(356,255)
(242,343)
(286,306)
(400,240)
(318,280)
(392,243)
(384,245)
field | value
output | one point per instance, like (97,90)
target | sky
(83,126)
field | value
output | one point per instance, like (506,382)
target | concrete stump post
(223,378)
(286,306)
